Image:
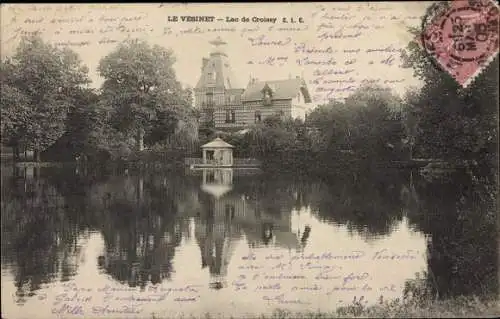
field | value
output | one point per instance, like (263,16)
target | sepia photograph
(250,160)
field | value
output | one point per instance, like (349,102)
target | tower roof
(216,70)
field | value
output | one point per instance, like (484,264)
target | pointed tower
(217,87)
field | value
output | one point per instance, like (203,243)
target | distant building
(225,104)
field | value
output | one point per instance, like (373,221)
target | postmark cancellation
(462,37)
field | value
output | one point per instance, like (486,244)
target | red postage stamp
(463,37)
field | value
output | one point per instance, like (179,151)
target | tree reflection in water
(369,205)
(39,239)
(459,217)
(143,219)
(141,229)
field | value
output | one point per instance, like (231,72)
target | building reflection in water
(214,229)
(227,213)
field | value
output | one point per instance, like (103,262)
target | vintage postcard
(249,160)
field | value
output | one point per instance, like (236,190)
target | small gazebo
(217,153)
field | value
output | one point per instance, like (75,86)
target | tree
(410,117)
(376,125)
(14,109)
(141,93)
(39,84)
(82,122)
(328,119)
(367,123)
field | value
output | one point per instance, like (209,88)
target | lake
(236,242)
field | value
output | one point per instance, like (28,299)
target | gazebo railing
(236,161)
(193,160)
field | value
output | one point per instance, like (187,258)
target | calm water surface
(233,242)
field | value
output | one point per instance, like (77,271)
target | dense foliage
(141,93)
(46,106)
(40,87)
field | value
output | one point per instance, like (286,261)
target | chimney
(204,62)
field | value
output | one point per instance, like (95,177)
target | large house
(228,105)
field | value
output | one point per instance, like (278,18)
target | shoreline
(458,307)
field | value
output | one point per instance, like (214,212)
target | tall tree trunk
(140,140)
(17,171)
(15,150)
(140,189)
(37,156)
(36,171)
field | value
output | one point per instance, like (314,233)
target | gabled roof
(281,89)
(217,143)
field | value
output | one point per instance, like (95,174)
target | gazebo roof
(217,143)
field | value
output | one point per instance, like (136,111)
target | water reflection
(460,221)
(39,238)
(227,214)
(141,228)
(214,229)
(149,223)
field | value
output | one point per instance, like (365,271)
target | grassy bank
(455,308)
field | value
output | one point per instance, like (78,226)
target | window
(211,76)
(230,116)
(210,99)
(258,117)
(298,97)
(230,99)
(267,98)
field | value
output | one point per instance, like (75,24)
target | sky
(335,47)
